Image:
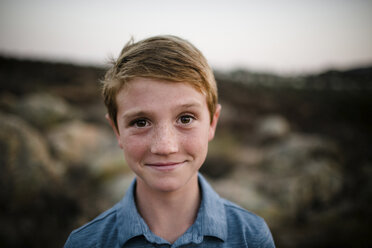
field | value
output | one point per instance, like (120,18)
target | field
(295,150)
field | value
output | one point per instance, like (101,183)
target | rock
(109,164)
(115,188)
(239,189)
(24,153)
(80,143)
(272,127)
(8,101)
(220,160)
(31,189)
(302,172)
(229,114)
(289,155)
(217,166)
(44,110)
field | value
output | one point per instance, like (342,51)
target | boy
(162,104)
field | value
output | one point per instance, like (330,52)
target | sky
(280,36)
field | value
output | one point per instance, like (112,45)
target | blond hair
(168,58)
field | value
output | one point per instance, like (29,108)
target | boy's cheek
(133,147)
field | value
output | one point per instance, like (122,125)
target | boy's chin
(170,183)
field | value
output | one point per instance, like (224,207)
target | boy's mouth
(167,166)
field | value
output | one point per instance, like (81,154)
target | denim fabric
(219,223)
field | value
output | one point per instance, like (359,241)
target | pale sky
(282,36)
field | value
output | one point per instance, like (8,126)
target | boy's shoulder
(244,223)
(240,213)
(100,229)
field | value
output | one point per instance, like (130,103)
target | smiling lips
(165,166)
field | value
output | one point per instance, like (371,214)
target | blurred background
(295,136)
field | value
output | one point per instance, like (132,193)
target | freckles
(195,141)
(133,147)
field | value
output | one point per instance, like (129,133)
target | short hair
(166,57)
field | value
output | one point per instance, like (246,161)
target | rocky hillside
(294,150)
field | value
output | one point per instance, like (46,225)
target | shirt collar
(210,221)
(130,223)
(128,219)
(213,211)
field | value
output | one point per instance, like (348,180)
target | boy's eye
(140,123)
(186,119)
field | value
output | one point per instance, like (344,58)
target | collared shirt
(219,223)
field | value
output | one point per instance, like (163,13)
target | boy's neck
(169,214)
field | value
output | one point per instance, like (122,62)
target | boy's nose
(164,141)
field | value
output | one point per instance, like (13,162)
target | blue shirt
(219,223)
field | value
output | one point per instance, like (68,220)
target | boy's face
(164,129)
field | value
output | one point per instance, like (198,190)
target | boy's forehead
(145,90)
(141,86)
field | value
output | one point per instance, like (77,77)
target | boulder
(272,127)
(108,165)
(221,158)
(8,101)
(229,114)
(302,172)
(31,189)
(80,143)
(25,155)
(217,166)
(44,110)
(113,190)
(239,189)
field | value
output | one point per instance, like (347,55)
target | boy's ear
(212,127)
(116,131)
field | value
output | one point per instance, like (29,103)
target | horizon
(215,70)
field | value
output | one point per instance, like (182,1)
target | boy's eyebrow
(190,105)
(139,113)
(134,113)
